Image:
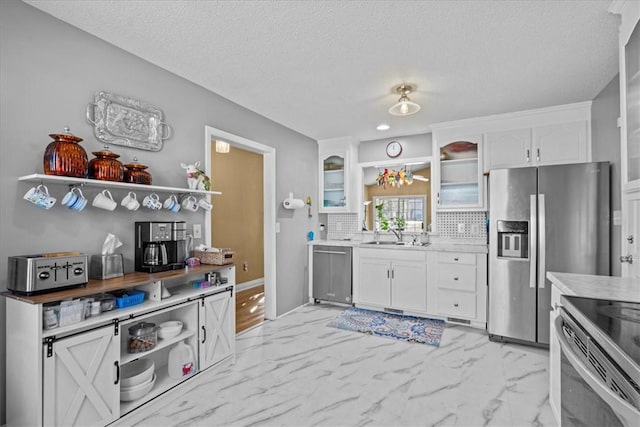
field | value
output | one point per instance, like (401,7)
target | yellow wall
(417,188)
(237,214)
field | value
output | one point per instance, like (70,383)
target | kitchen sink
(391,243)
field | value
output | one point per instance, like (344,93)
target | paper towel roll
(293,203)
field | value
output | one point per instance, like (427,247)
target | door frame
(269,205)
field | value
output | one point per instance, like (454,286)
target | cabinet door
(333,182)
(458,177)
(217,319)
(409,285)
(81,379)
(560,143)
(375,282)
(507,149)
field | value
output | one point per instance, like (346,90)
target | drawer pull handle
(455,304)
(455,278)
(456,259)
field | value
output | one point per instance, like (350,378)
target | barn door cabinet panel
(71,375)
(217,328)
(81,379)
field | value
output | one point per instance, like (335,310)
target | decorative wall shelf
(42,178)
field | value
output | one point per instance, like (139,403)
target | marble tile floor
(295,371)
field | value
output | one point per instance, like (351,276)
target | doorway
(268,207)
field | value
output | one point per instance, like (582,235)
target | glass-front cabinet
(459,182)
(336,180)
(333,180)
(632,97)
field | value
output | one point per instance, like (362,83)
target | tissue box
(106,266)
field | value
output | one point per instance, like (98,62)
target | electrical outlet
(197,231)
(617,217)
(338,226)
(461,227)
(277,227)
(245,266)
(475,228)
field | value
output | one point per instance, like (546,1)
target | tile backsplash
(342,225)
(473,225)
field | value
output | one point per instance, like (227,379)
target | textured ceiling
(327,68)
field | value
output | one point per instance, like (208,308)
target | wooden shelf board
(129,280)
(129,357)
(36,177)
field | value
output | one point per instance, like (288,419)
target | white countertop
(439,246)
(604,287)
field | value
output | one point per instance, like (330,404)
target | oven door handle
(628,414)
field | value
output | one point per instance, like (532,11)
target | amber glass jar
(105,166)
(135,173)
(64,156)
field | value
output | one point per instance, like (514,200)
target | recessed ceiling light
(383,127)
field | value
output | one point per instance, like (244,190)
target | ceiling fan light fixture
(404,106)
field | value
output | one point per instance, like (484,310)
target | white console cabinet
(70,375)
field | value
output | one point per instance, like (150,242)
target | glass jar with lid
(135,173)
(106,166)
(65,157)
(143,337)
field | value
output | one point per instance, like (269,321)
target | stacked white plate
(137,379)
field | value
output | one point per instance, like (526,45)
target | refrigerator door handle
(533,250)
(542,239)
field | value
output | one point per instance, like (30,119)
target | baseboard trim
(250,284)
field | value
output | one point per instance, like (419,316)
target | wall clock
(394,149)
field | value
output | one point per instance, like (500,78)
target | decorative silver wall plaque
(125,121)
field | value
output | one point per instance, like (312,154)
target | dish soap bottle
(181,362)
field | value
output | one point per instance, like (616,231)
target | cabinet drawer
(457,303)
(461,277)
(457,258)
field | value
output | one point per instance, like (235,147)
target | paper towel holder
(291,203)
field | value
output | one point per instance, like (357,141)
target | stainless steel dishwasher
(332,274)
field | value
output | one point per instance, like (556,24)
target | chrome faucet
(398,234)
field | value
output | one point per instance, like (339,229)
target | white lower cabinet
(217,329)
(457,287)
(187,313)
(71,375)
(394,279)
(80,382)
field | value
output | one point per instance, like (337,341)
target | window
(409,208)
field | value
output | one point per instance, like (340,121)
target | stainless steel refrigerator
(549,218)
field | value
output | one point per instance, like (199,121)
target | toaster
(34,274)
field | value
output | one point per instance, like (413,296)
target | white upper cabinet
(550,136)
(337,185)
(457,172)
(508,148)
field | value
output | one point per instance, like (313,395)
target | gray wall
(49,71)
(605,136)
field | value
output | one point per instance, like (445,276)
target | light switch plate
(461,227)
(277,227)
(197,231)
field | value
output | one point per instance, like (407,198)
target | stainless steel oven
(600,350)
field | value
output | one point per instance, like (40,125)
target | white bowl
(137,372)
(169,329)
(127,394)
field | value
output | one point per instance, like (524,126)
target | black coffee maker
(160,246)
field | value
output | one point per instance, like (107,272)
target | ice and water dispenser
(513,239)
